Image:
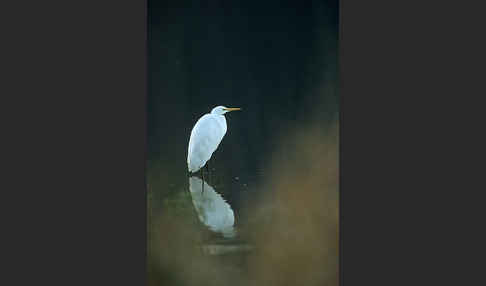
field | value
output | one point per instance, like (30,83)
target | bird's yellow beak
(232,108)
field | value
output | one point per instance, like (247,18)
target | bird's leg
(209,173)
(202,181)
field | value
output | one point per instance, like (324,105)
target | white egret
(205,137)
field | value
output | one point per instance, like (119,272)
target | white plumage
(205,137)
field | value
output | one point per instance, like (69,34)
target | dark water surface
(186,222)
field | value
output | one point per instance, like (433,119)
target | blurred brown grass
(294,228)
(299,245)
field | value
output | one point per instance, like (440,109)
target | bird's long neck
(221,120)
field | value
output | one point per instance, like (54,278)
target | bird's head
(220,110)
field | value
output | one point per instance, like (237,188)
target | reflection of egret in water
(212,209)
